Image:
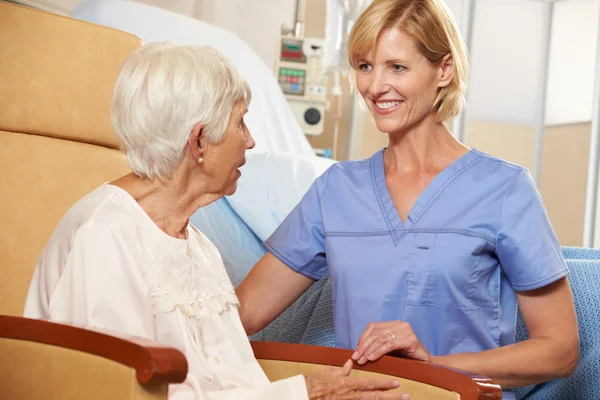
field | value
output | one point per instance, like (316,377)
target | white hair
(162,92)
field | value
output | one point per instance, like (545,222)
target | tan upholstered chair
(56,144)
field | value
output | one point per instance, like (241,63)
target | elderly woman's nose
(249,141)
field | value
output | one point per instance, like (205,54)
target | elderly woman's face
(226,157)
(398,84)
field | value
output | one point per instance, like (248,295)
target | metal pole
(468,15)
(540,125)
(299,18)
(591,197)
(357,124)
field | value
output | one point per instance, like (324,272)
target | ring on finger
(393,335)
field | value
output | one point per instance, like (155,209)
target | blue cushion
(239,247)
(584,384)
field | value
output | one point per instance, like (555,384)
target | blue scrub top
(478,233)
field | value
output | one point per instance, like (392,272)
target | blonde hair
(429,22)
(162,92)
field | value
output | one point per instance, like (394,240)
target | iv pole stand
(591,197)
(467,17)
(540,126)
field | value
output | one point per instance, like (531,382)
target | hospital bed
(56,144)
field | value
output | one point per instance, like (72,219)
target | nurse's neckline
(435,187)
(472,150)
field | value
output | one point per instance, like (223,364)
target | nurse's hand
(330,384)
(381,338)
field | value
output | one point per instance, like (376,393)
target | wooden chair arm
(469,386)
(153,363)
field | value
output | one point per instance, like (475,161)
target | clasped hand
(380,338)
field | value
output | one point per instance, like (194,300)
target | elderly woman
(125,257)
(430,245)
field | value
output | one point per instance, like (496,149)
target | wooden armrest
(153,363)
(469,386)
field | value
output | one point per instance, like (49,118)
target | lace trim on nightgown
(189,276)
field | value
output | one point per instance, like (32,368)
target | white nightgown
(107,265)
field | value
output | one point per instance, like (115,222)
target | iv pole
(299,13)
(468,15)
(591,197)
(540,126)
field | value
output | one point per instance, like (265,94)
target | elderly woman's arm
(323,385)
(335,384)
(552,350)
(269,289)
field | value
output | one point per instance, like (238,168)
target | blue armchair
(584,265)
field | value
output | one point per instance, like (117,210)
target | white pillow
(239,247)
(271,185)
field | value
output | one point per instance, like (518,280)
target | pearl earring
(200,160)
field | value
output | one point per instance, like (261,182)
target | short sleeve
(526,245)
(299,242)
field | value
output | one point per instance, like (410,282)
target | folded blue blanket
(309,320)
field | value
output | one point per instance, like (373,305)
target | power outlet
(317,90)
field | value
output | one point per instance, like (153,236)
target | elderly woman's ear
(197,143)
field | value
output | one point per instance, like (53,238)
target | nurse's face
(398,83)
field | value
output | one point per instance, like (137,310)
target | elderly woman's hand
(337,384)
(380,338)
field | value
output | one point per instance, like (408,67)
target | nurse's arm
(268,290)
(552,350)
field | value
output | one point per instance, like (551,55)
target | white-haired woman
(125,257)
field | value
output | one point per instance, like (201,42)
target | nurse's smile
(385,107)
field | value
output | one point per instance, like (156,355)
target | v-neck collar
(437,185)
